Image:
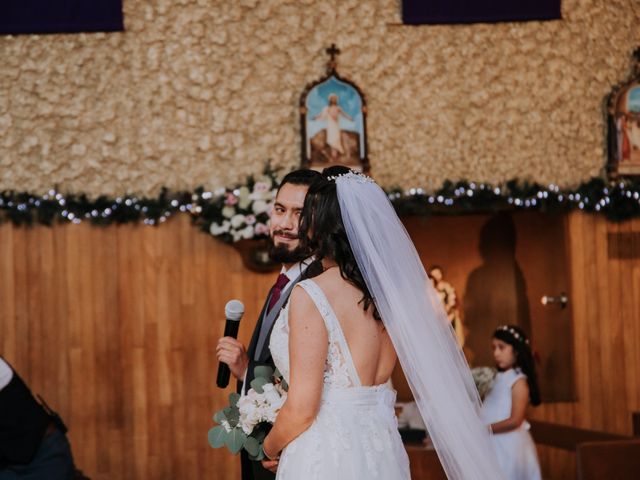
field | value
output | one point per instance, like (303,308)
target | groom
(283,233)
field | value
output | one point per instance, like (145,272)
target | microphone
(233,311)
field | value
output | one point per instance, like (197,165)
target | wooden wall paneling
(117,326)
(7,292)
(630,324)
(600,334)
(583,315)
(635,320)
(21,299)
(616,390)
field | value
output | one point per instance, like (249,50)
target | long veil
(414,317)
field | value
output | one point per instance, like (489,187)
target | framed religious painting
(333,122)
(623,125)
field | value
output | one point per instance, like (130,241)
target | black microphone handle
(230,330)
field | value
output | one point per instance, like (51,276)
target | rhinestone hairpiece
(357,176)
(514,333)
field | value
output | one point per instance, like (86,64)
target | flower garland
(242,212)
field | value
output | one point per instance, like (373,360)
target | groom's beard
(282,253)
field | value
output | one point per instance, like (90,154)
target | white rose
(244,197)
(271,395)
(247,232)
(237,220)
(217,229)
(228,211)
(260,206)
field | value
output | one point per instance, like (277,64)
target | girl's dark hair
(322,235)
(515,336)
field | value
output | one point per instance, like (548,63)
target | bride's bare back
(371,348)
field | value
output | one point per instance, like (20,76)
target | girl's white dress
(516,451)
(355,434)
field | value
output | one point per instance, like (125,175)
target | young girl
(504,407)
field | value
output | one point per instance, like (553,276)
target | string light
(617,200)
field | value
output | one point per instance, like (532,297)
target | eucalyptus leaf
(259,457)
(252,446)
(233,398)
(235,440)
(263,371)
(258,383)
(259,433)
(217,436)
(232,415)
(219,416)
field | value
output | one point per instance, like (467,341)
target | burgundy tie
(281,282)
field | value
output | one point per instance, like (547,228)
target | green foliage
(232,414)
(258,383)
(263,371)
(233,398)
(252,446)
(235,440)
(217,436)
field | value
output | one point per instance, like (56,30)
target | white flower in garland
(260,206)
(247,232)
(261,229)
(237,221)
(244,198)
(218,229)
(228,211)
(243,212)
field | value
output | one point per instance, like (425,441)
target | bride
(337,341)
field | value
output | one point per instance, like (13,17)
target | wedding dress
(355,434)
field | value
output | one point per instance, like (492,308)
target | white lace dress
(355,434)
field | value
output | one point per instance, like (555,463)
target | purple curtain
(60,16)
(416,12)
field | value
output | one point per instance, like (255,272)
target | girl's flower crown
(514,333)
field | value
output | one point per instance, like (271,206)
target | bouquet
(483,378)
(247,420)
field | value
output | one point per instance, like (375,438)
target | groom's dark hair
(300,177)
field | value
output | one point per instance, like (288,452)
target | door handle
(562,300)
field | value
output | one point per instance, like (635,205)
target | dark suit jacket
(253,470)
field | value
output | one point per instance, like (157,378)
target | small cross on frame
(333,52)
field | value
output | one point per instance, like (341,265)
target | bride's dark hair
(322,235)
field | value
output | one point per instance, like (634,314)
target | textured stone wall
(202,92)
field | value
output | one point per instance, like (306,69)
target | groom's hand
(271,465)
(232,352)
